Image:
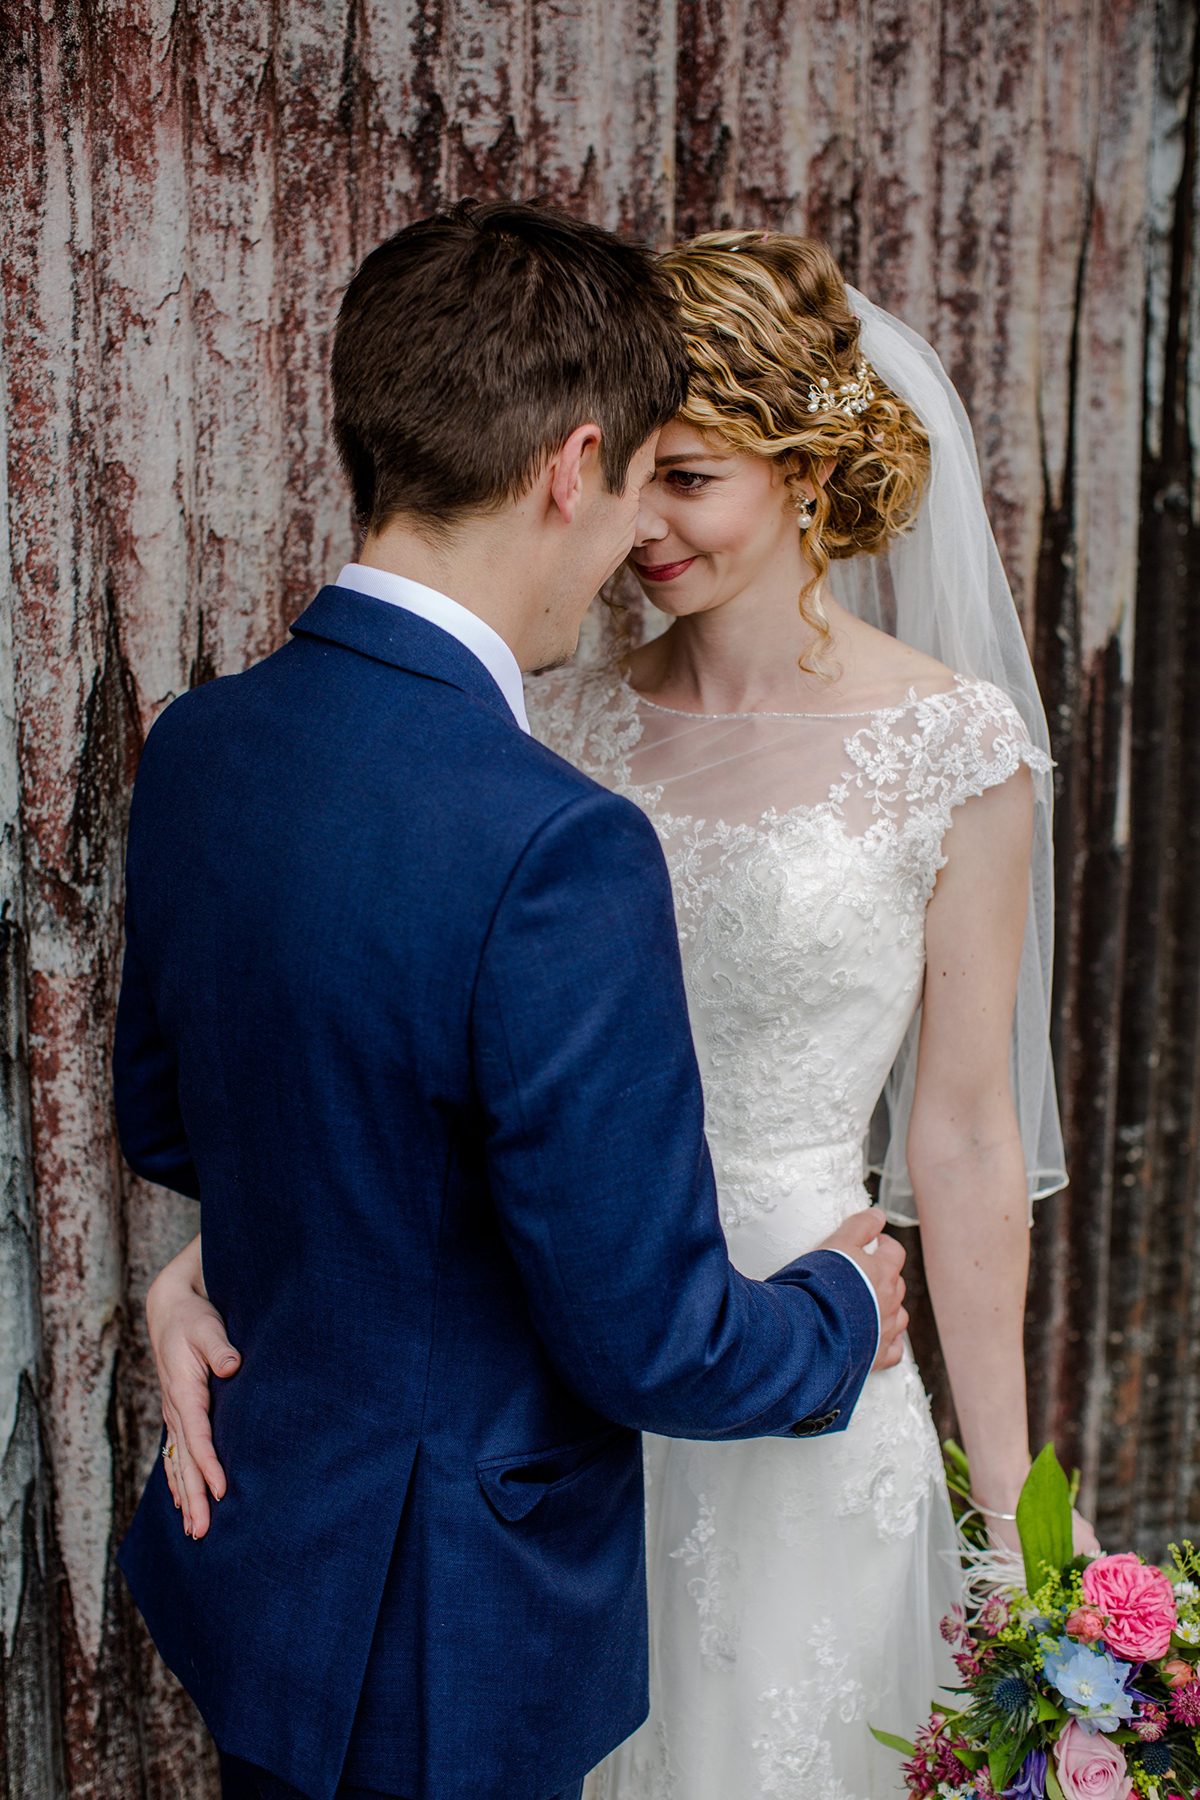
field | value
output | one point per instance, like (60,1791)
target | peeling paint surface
(186,189)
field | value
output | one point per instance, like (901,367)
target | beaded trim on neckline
(910,699)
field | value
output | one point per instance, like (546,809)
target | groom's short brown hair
(470,345)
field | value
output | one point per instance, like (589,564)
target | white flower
(1186,1590)
(1188,1630)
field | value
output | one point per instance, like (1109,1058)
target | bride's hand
(1004,1536)
(862,1238)
(187,1335)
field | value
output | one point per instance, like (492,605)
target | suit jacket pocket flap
(515,1484)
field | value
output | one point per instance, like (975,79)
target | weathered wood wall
(187,185)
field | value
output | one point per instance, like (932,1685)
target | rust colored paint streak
(190,188)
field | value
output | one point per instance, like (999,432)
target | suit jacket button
(822,1422)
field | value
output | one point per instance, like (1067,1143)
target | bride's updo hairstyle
(775,371)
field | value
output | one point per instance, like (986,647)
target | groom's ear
(564,473)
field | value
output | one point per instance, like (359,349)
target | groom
(402,1003)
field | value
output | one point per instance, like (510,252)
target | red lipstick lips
(663,571)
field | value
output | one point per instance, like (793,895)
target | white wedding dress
(796,1586)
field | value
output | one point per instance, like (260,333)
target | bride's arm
(964,1146)
(187,1335)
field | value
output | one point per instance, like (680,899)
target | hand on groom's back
(187,1335)
(862,1238)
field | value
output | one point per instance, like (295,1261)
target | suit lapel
(393,635)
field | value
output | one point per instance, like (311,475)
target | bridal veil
(942,588)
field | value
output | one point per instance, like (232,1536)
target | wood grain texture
(187,188)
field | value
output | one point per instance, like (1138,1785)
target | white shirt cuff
(870,1289)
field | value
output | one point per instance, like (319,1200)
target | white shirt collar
(474,633)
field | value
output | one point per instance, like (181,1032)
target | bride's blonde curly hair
(767,318)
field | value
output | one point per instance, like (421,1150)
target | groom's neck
(488,565)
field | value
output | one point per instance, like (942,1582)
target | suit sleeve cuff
(865,1279)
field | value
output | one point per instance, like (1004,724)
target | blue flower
(1093,1685)
(1031,1782)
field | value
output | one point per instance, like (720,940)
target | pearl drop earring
(804,512)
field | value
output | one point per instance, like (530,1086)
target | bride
(850,816)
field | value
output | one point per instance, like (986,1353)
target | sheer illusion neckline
(910,698)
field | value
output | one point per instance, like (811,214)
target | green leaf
(1044,1520)
(893,1742)
(1047,1708)
(1053,1790)
(1006,1753)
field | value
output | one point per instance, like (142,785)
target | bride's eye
(688,481)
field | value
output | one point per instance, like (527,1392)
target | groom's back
(317,850)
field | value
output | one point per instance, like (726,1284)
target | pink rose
(1085,1624)
(1090,1768)
(1138,1603)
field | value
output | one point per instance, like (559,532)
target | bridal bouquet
(1081,1685)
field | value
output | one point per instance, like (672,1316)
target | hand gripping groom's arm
(599,1168)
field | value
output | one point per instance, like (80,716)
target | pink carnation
(1090,1768)
(1138,1603)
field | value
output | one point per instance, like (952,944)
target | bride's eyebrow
(663,462)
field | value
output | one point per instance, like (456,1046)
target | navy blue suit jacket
(402,1004)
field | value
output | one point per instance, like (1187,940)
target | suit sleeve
(145,1085)
(600,1171)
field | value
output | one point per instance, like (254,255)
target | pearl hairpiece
(852,397)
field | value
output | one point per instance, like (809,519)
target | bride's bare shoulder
(885,669)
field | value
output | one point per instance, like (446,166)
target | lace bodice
(803,850)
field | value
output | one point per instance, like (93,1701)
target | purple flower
(948,1768)
(1031,1782)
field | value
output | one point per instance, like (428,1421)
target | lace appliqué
(803,933)
(795,1759)
(887,1464)
(571,711)
(777,942)
(699,1550)
(905,1464)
